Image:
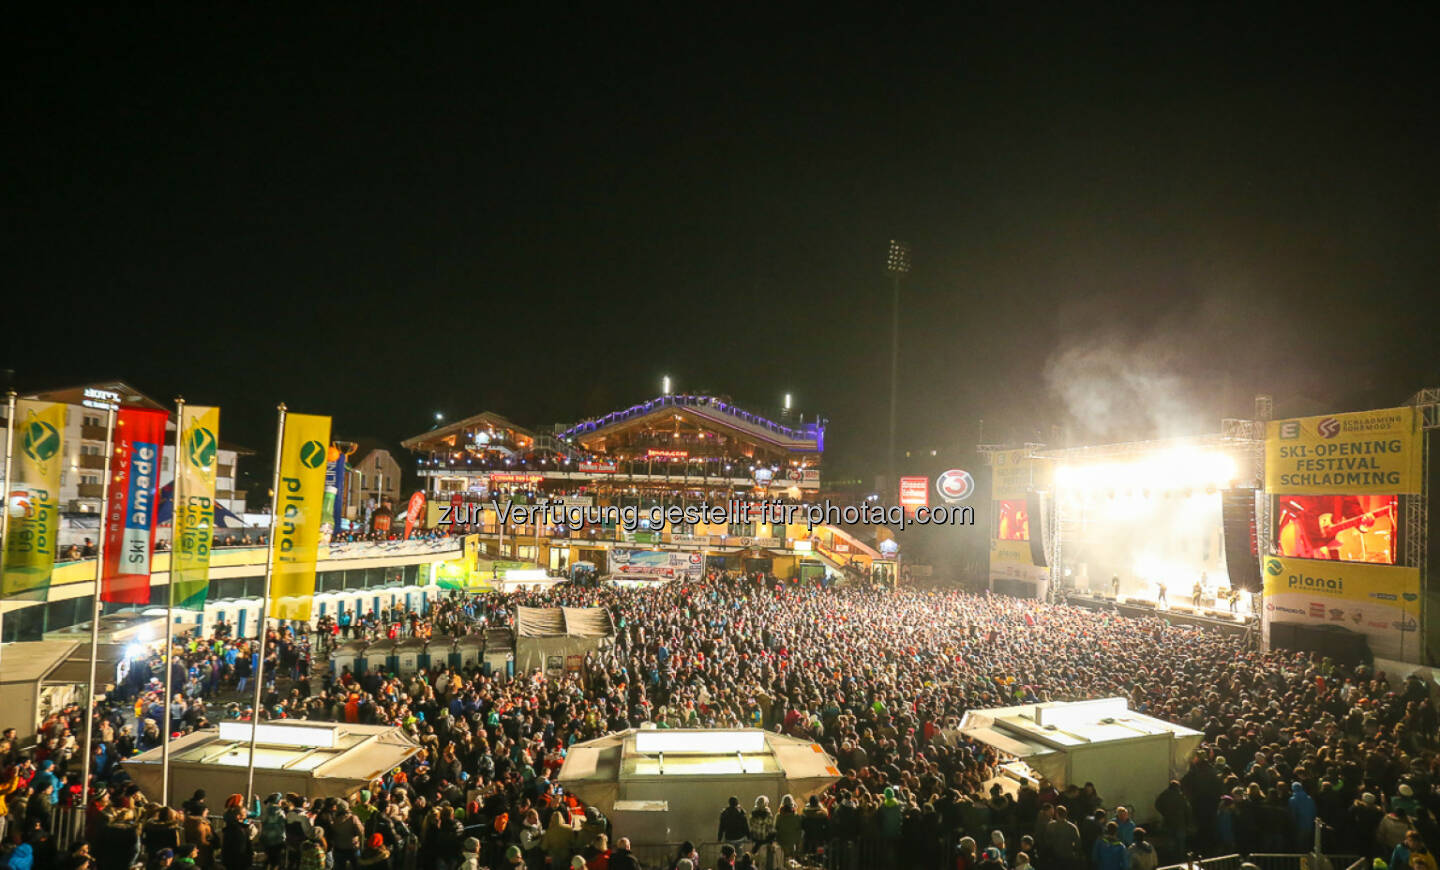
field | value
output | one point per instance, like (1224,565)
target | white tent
(318,759)
(694,771)
(1129,756)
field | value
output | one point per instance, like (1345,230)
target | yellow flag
(195,519)
(33,498)
(300,506)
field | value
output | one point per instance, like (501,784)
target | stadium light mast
(665,385)
(898,265)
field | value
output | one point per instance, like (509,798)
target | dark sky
(1127,222)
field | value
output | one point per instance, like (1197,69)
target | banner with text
(33,498)
(195,516)
(1381,602)
(130,514)
(300,514)
(656,563)
(1365,452)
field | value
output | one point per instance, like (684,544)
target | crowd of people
(878,677)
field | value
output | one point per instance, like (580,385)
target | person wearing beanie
(1142,854)
(375,856)
(469,854)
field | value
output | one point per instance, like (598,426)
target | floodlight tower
(898,265)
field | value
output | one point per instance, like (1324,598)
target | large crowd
(878,677)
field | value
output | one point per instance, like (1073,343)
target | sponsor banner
(1361,453)
(1010,552)
(332,492)
(194,524)
(130,512)
(1381,602)
(1014,473)
(640,537)
(414,512)
(299,505)
(810,475)
(914,493)
(573,500)
(33,498)
(342,477)
(654,453)
(656,563)
(598,467)
(513,478)
(955,485)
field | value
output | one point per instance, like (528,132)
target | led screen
(1014,521)
(1342,528)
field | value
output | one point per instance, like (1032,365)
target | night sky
(1123,223)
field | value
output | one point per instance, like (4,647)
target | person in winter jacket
(789,827)
(814,824)
(1302,814)
(1125,825)
(1109,853)
(1142,854)
(734,827)
(761,822)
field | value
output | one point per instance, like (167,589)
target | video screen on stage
(1013,522)
(1342,528)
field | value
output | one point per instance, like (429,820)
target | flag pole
(5,496)
(170,595)
(95,610)
(259,671)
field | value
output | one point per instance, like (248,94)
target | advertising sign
(597,467)
(194,518)
(130,513)
(914,493)
(33,498)
(656,563)
(299,506)
(1361,453)
(1381,602)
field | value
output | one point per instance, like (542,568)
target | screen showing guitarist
(1349,528)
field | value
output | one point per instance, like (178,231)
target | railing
(810,432)
(1272,861)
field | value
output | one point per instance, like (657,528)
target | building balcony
(90,490)
(92,433)
(93,462)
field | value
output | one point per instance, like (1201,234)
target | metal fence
(1275,861)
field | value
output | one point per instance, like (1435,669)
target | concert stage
(1180,614)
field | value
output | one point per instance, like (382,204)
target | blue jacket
(23,858)
(1302,810)
(1109,853)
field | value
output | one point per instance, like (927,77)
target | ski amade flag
(299,505)
(33,498)
(130,511)
(195,517)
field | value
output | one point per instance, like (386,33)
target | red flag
(129,520)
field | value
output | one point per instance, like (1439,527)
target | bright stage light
(1180,468)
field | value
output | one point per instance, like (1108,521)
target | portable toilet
(324,605)
(499,652)
(410,655)
(349,654)
(380,654)
(471,648)
(248,617)
(442,652)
